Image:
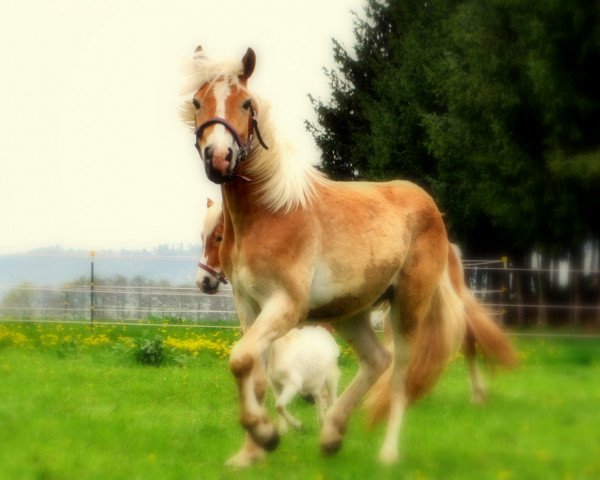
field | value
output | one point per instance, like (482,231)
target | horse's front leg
(249,453)
(373,359)
(278,315)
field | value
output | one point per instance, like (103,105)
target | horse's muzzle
(207,284)
(214,175)
(218,165)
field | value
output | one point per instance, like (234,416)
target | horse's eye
(219,238)
(196,104)
(247,104)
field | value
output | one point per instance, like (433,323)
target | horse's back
(382,207)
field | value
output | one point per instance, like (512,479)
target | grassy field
(76,403)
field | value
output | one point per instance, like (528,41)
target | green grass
(82,408)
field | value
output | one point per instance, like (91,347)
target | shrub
(155,351)
(150,351)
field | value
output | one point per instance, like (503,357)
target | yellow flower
(96,340)
(128,341)
(49,339)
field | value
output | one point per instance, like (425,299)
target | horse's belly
(337,293)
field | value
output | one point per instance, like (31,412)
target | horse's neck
(228,241)
(241,201)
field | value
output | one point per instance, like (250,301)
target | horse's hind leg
(373,360)
(398,398)
(478,391)
(417,313)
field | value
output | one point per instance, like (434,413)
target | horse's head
(210,273)
(224,117)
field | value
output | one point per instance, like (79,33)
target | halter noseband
(220,276)
(244,148)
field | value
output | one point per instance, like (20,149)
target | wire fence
(515,295)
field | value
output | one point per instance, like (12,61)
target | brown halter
(220,276)
(244,148)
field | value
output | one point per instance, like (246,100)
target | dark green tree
(361,130)
(491,105)
(516,83)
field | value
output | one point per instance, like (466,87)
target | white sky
(92,152)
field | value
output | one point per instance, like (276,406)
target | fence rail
(495,282)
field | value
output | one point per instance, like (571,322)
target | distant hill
(55,265)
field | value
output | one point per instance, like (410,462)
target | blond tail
(437,338)
(433,344)
(481,327)
(490,337)
(455,313)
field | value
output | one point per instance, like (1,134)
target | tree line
(492,106)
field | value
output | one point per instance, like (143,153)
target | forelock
(200,71)
(212,219)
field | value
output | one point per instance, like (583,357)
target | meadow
(141,402)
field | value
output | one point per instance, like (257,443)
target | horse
(297,245)
(303,361)
(210,273)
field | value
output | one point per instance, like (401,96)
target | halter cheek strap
(220,276)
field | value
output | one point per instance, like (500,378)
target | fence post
(92,300)
(505,296)
(66,304)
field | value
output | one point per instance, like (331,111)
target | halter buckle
(220,276)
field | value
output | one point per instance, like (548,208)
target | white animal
(304,361)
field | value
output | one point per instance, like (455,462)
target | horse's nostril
(229,154)
(206,281)
(207,153)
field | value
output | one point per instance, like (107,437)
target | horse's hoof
(388,457)
(331,448)
(266,435)
(244,459)
(478,397)
(331,438)
(272,443)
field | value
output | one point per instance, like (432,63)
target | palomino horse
(297,245)
(302,361)
(210,273)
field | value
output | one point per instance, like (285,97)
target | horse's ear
(248,62)
(209,203)
(199,54)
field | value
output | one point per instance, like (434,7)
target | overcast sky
(92,152)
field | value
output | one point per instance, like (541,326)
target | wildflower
(49,340)
(96,340)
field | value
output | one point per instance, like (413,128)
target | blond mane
(211,219)
(286,181)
